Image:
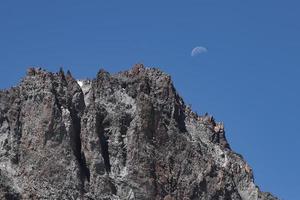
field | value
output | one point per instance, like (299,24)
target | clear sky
(249,77)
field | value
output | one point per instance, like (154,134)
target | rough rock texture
(122,136)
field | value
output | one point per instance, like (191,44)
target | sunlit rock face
(123,136)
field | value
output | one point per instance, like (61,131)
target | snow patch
(86,88)
(80,83)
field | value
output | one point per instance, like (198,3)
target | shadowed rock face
(122,136)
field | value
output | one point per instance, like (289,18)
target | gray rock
(123,136)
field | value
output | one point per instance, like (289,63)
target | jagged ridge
(123,136)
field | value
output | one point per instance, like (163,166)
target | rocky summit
(119,136)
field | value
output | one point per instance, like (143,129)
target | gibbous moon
(198,50)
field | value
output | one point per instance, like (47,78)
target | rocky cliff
(123,136)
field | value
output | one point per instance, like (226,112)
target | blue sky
(248,78)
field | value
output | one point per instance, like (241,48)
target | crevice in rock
(125,121)
(104,152)
(75,109)
(76,145)
(16,124)
(103,139)
(179,115)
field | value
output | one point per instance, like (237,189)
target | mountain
(119,136)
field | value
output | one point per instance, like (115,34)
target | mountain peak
(122,136)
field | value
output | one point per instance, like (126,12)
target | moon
(198,50)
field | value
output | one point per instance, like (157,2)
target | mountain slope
(122,136)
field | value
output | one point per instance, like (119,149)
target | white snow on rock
(80,83)
(85,87)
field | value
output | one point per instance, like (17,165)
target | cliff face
(122,136)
